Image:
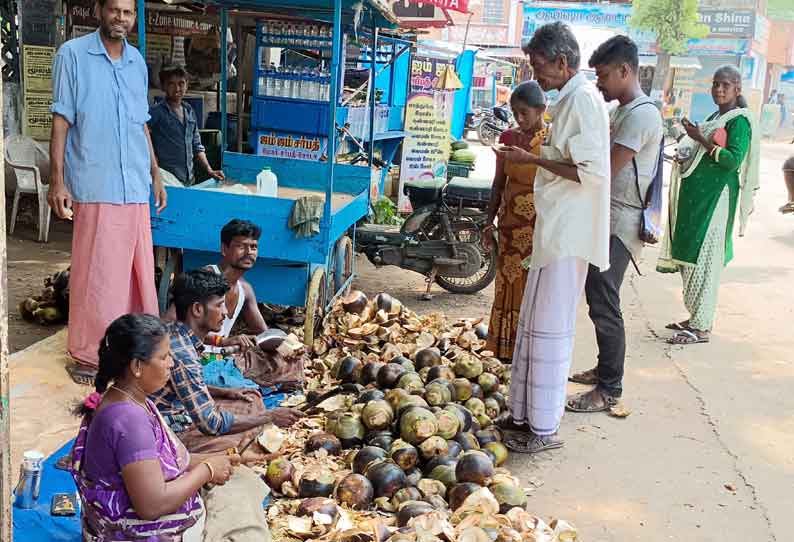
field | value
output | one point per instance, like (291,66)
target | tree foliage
(673,21)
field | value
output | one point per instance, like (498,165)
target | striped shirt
(185,400)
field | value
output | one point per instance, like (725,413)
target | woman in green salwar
(716,173)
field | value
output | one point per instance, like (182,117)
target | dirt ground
(706,454)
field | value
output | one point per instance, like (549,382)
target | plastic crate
(458,169)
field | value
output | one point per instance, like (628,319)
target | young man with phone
(635,133)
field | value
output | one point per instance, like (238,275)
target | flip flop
(788,208)
(678,326)
(532,444)
(589,377)
(688,336)
(81,375)
(583,402)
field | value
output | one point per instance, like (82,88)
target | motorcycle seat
(424,191)
(469,189)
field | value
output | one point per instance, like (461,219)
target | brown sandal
(592,401)
(589,377)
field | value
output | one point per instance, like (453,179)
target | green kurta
(700,192)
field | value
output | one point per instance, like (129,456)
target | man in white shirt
(636,134)
(571,232)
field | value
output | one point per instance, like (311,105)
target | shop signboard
(427,120)
(719,47)
(418,15)
(739,23)
(37,22)
(291,146)
(461,6)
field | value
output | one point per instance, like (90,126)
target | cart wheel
(343,264)
(315,306)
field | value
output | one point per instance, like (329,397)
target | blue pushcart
(303,272)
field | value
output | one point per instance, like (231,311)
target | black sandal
(81,375)
(532,444)
(587,402)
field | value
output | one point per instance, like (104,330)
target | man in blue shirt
(102,172)
(174,129)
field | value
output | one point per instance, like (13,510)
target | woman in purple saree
(136,480)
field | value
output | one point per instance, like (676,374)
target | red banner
(452,5)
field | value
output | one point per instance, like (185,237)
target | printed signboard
(738,23)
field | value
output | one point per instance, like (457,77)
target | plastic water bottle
(267,183)
(269,82)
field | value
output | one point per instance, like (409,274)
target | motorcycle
(473,120)
(441,238)
(492,126)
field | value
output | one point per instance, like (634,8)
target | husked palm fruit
(448,424)
(386,302)
(386,478)
(475,467)
(499,451)
(468,367)
(380,439)
(417,424)
(464,415)
(279,470)
(412,383)
(395,396)
(484,436)
(404,455)
(377,415)
(500,399)
(366,456)
(321,505)
(412,509)
(370,395)
(325,441)
(455,449)
(462,389)
(413,477)
(459,493)
(355,302)
(492,409)
(348,370)
(488,382)
(493,366)
(404,495)
(427,357)
(467,441)
(316,484)
(355,491)
(484,421)
(435,462)
(440,372)
(389,375)
(476,391)
(47,315)
(445,474)
(434,446)
(349,430)
(369,372)
(476,406)
(409,402)
(438,393)
(508,496)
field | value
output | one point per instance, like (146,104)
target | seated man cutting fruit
(264,367)
(208,419)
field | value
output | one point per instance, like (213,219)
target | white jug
(267,183)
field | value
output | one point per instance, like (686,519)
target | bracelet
(212,471)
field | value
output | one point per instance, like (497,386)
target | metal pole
(240,97)
(5,410)
(224,56)
(372,75)
(142,27)
(336,74)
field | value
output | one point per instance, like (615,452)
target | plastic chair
(20,154)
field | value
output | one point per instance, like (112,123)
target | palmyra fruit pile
(414,455)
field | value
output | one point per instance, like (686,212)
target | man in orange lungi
(103,169)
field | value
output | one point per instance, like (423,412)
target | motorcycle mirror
(501,114)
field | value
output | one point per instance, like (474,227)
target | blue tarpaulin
(37,525)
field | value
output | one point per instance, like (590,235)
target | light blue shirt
(105,102)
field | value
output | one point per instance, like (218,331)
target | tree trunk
(661,75)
